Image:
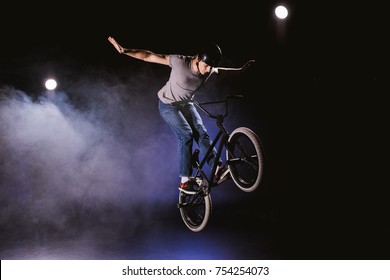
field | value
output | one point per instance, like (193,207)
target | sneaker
(188,187)
(221,173)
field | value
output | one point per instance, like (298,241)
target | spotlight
(50,84)
(281,12)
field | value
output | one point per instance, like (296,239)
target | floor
(240,228)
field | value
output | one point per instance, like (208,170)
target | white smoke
(99,154)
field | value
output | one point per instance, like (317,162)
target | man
(188,74)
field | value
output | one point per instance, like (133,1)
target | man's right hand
(115,44)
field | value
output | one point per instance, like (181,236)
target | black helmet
(211,54)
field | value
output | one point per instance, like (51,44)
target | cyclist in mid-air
(188,74)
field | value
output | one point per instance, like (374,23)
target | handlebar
(200,105)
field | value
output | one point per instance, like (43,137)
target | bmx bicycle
(243,162)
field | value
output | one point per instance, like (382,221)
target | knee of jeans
(201,130)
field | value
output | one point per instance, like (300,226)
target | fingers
(112,40)
(115,44)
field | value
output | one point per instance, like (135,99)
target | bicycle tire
(245,159)
(195,210)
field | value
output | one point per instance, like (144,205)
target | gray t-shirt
(183,81)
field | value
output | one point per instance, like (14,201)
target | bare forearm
(138,54)
(144,55)
(244,67)
(226,69)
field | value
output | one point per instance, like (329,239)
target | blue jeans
(187,125)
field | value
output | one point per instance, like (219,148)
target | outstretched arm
(144,55)
(243,68)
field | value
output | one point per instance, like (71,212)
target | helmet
(211,54)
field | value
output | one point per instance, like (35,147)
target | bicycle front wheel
(195,210)
(244,156)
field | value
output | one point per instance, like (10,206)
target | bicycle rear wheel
(244,156)
(195,210)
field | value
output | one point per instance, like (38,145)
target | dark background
(90,171)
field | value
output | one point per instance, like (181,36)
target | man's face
(204,68)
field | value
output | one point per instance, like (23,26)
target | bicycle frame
(220,140)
